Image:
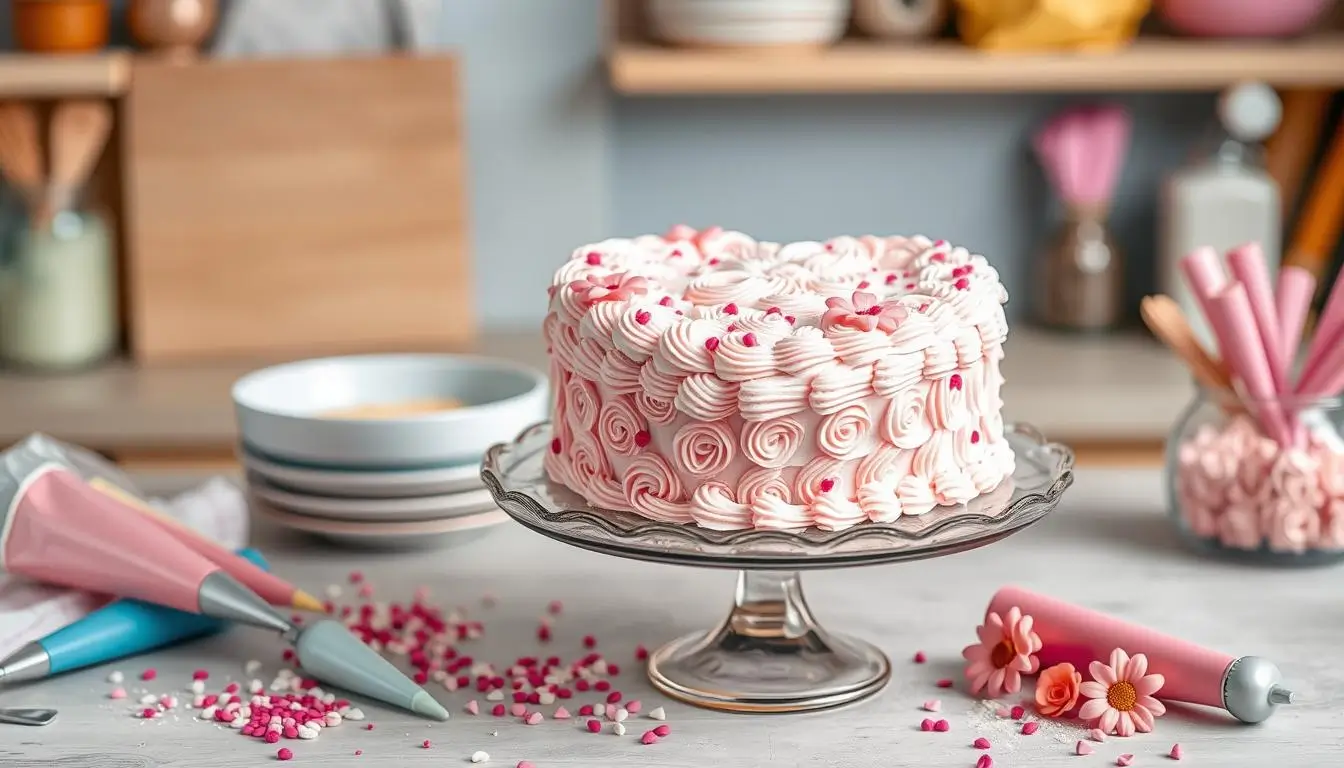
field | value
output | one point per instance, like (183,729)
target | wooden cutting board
(295,207)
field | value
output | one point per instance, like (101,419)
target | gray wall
(556,161)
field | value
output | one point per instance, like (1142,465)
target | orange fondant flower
(1057,690)
(996,664)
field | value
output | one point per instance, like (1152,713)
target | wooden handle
(1323,215)
(1289,152)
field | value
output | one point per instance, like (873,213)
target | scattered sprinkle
(495,695)
(560,714)
(985,761)
(657,713)
(641,653)
(1124,760)
(618,729)
(942,726)
(1030,728)
(1082,748)
(1002,712)
(200,674)
(369,727)
(473,708)
(586,710)
(480,756)
(555,607)
(946,682)
(358,752)
(633,706)
(926,724)
(252,667)
(920,658)
(1096,734)
(525,764)
(1018,712)
(425,744)
(589,641)
(284,754)
(149,699)
(117,693)
(149,674)
(614,697)
(149,713)
(981,743)
(662,731)
(649,737)
(593,726)
(518,710)
(498,710)
(1176,752)
(115,677)
(932,705)
(533,718)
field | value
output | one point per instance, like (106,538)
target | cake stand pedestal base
(769,655)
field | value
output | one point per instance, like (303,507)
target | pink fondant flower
(614,287)
(862,313)
(996,663)
(1120,695)
(1057,690)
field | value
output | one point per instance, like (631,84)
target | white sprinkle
(117,693)
(168,702)
(149,699)
(618,729)
(355,713)
(197,686)
(198,701)
(116,677)
(208,713)
(307,733)
(933,705)
(546,697)
(600,667)
(482,668)
(252,667)
(473,708)
(450,683)
(237,723)
(438,675)
(621,714)
(334,591)
(332,719)
(657,713)
(285,674)
(480,756)
(495,695)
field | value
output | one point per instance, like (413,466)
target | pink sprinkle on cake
(707,378)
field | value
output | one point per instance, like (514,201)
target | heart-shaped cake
(703,377)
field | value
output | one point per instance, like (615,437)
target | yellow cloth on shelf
(1038,25)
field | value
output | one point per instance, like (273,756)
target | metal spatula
(27,716)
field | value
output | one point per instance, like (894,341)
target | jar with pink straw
(1255,465)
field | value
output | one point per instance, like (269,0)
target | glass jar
(1233,490)
(58,291)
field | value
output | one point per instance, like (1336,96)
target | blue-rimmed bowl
(281,410)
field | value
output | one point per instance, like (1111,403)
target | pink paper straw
(1293,297)
(1247,264)
(1203,271)
(1328,378)
(1329,329)
(1247,357)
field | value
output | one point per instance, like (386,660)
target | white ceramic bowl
(280,410)
(733,23)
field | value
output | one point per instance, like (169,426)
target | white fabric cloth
(30,611)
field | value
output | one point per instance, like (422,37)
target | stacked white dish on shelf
(381,450)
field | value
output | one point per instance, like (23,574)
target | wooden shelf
(1161,64)
(44,76)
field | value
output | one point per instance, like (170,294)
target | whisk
(21,147)
(78,133)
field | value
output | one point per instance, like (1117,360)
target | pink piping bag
(1247,686)
(1247,264)
(1329,330)
(1249,359)
(57,529)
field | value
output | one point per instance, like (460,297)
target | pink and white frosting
(1243,490)
(704,377)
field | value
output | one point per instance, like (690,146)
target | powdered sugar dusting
(1006,733)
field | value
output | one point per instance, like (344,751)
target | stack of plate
(403,476)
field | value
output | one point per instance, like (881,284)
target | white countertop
(1108,546)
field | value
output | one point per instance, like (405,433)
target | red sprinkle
(284,754)
(602,686)
(148,712)
(941,726)
(749,339)
(273,737)
(975,436)
(1030,728)
(643,317)
(555,448)
(981,743)
(649,737)
(1017,712)
(613,670)
(425,744)
(891,278)
(985,761)
(826,485)
(666,301)
(711,344)
(544,632)
(789,319)
(498,710)
(614,697)
(582,685)
(593,726)
(358,752)
(200,674)
(773,311)
(356,577)
(149,674)
(369,727)
(641,653)
(589,641)
(954,381)
(962,284)
(863,285)
(945,683)
(586,710)
(594,258)
(730,308)
(662,731)
(926,724)
(919,657)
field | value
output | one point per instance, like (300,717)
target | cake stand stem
(769,655)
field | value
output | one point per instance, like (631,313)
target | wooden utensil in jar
(78,133)
(1164,318)
(21,148)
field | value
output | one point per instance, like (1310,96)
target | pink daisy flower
(614,287)
(862,313)
(996,664)
(1120,696)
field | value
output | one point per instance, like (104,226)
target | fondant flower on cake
(1120,695)
(619,286)
(996,664)
(862,312)
(1057,690)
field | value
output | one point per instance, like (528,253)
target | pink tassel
(1082,150)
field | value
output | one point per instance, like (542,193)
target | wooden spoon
(79,131)
(21,147)
(1164,318)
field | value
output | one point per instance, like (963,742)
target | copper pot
(60,26)
(174,27)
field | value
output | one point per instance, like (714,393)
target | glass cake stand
(769,654)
